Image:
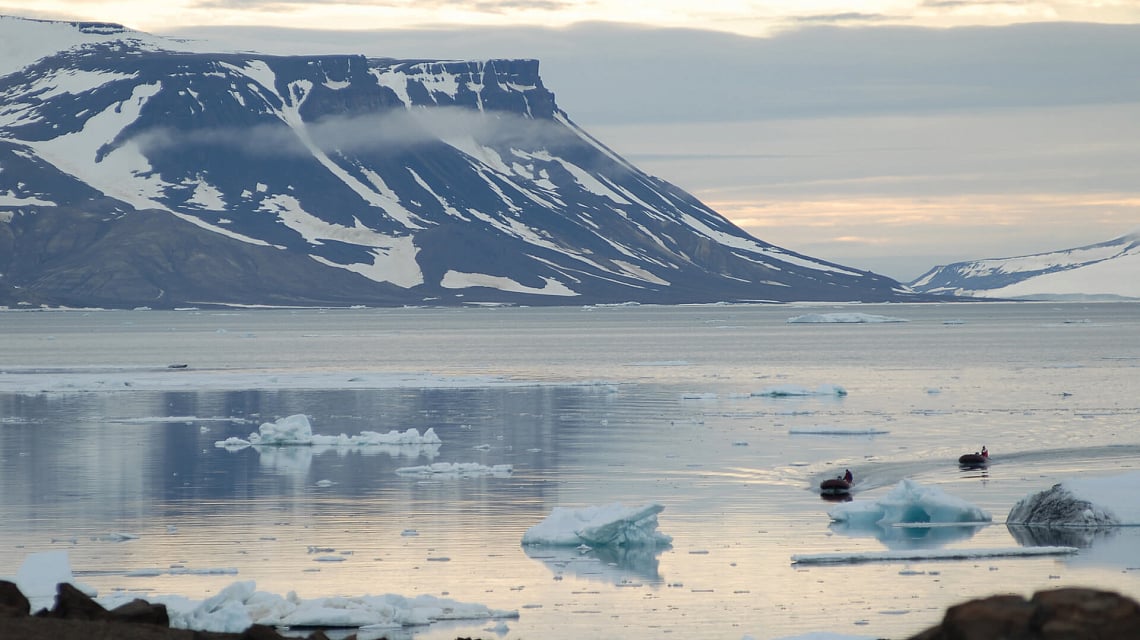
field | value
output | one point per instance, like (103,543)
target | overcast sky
(886,135)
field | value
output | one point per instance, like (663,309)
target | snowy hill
(141,171)
(1107,270)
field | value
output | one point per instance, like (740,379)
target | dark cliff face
(346,180)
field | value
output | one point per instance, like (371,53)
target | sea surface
(109,419)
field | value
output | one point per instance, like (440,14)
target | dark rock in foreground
(1060,614)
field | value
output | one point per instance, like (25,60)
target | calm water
(591,406)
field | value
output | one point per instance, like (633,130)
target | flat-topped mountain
(140,171)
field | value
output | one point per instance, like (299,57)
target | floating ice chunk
(457,470)
(117,536)
(1082,502)
(909,502)
(928,554)
(596,526)
(791,390)
(844,318)
(296,430)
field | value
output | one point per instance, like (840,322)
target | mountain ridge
(1103,270)
(394,181)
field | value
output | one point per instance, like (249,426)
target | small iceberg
(1108,501)
(842,318)
(457,470)
(909,503)
(295,430)
(599,526)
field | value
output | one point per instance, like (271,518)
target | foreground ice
(846,318)
(927,554)
(457,470)
(1108,501)
(240,605)
(599,526)
(295,430)
(909,502)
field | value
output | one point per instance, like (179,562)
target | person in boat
(848,477)
(985,453)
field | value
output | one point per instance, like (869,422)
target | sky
(888,135)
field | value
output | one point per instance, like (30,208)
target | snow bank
(239,605)
(791,390)
(909,502)
(842,318)
(457,470)
(599,526)
(1108,501)
(295,430)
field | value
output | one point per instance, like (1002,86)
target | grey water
(100,436)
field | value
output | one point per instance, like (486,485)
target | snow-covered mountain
(136,170)
(1107,270)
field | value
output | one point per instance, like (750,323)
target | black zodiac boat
(834,487)
(975,460)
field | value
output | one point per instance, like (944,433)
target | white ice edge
(928,554)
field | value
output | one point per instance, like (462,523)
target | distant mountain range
(1104,271)
(140,171)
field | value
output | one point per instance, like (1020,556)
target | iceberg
(1108,501)
(910,503)
(295,430)
(599,526)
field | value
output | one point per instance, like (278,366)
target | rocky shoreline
(1057,614)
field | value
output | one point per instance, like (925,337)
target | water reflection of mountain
(615,565)
(912,536)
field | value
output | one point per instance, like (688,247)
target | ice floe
(835,431)
(842,318)
(457,470)
(598,526)
(927,554)
(791,391)
(295,430)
